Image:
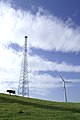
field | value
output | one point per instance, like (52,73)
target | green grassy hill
(19,108)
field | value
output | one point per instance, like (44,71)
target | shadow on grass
(60,108)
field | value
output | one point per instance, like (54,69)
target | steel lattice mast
(23,88)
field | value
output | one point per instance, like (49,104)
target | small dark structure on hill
(11,91)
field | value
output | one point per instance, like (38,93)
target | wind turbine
(64,82)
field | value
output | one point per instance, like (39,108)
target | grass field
(19,108)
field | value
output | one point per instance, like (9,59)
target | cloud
(44,31)
(37,63)
(43,83)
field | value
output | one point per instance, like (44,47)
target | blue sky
(63,9)
(53,30)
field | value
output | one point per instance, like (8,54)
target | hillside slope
(19,108)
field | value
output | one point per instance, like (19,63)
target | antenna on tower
(64,82)
(23,87)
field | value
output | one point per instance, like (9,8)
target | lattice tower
(23,87)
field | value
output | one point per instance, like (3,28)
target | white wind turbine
(64,82)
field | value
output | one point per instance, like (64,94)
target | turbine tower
(64,82)
(23,87)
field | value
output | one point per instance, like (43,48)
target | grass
(19,108)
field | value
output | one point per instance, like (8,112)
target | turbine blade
(62,78)
(67,82)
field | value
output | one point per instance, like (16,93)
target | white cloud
(42,83)
(37,63)
(44,31)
